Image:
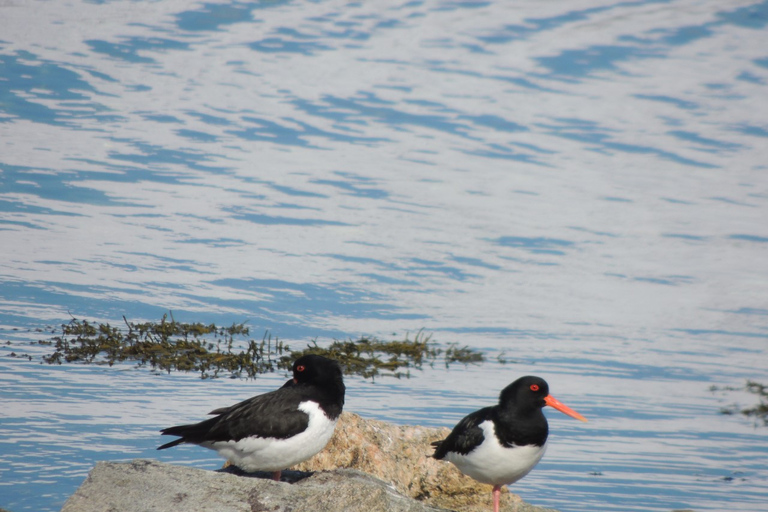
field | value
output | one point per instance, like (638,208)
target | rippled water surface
(576,188)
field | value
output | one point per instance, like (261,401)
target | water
(575,188)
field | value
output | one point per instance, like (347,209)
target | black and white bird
(276,430)
(499,445)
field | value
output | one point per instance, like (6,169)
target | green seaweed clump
(759,411)
(170,345)
(371,357)
(167,345)
(456,354)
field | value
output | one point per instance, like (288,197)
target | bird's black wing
(273,414)
(465,436)
(222,410)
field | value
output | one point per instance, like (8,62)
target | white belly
(492,463)
(271,454)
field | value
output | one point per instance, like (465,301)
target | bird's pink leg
(276,475)
(496,496)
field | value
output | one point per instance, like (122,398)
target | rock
(401,456)
(368,465)
(147,485)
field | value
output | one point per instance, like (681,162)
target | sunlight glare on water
(575,188)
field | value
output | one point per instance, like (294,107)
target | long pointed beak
(560,406)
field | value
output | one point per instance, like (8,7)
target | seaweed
(371,357)
(759,411)
(169,346)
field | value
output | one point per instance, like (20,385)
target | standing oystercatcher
(499,445)
(276,430)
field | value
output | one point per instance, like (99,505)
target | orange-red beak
(560,406)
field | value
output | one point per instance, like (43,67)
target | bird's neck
(522,427)
(331,397)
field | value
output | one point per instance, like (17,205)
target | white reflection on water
(576,187)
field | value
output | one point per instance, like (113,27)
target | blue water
(575,188)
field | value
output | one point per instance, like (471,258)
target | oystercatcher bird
(276,430)
(499,445)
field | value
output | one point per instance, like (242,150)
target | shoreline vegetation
(213,351)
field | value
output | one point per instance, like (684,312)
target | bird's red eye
(534,387)
(300,368)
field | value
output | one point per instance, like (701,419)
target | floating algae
(166,345)
(370,357)
(169,345)
(759,411)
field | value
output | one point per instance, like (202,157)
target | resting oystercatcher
(499,445)
(276,430)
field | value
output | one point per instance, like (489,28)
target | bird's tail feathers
(171,444)
(436,445)
(186,433)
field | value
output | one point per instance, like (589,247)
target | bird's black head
(529,395)
(526,393)
(319,371)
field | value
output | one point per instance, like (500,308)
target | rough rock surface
(368,465)
(146,485)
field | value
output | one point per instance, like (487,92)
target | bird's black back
(465,436)
(274,414)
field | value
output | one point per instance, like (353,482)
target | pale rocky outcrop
(368,465)
(151,486)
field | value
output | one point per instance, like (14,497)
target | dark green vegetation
(169,345)
(166,345)
(369,356)
(759,411)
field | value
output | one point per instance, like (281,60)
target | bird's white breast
(494,464)
(272,454)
